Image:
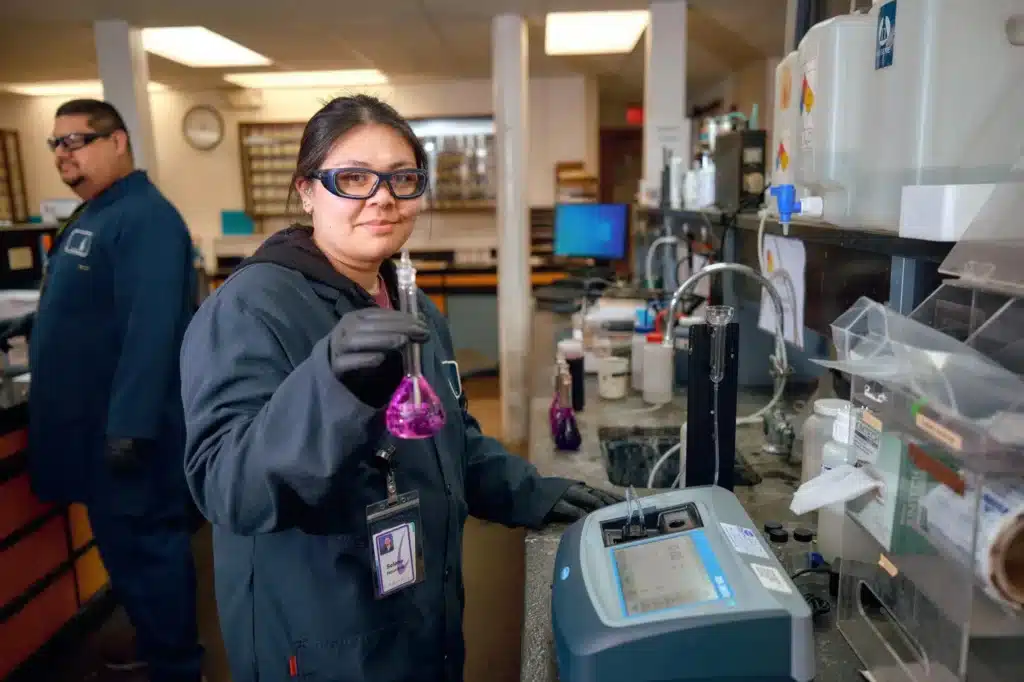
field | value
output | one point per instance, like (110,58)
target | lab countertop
(767,501)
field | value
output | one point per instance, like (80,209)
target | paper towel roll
(999,555)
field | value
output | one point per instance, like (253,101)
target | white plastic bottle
(658,371)
(706,182)
(832,518)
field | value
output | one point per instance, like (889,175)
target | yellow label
(871,420)
(786,87)
(888,566)
(20,258)
(950,439)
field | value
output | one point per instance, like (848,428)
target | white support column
(665,113)
(515,309)
(125,74)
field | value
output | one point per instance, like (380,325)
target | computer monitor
(598,231)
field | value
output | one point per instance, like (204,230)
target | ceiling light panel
(307,79)
(89,88)
(199,48)
(583,33)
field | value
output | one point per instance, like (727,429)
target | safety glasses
(73,141)
(363,183)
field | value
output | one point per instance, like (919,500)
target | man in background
(106,427)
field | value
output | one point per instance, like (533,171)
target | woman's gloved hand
(19,326)
(578,501)
(365,350)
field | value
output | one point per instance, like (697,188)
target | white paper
(786,267)
(744,540)
(835,486)
(393,551)
(771,578)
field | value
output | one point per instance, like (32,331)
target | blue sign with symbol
(885,35)
(565,572)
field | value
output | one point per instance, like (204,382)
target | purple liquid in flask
(415,411)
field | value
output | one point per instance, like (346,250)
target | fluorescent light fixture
(578,33)
(92,88)
(307,79)
(199,47)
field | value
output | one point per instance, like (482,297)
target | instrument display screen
(664,574)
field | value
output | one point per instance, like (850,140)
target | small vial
(803,550)
(779,539)
(769,526)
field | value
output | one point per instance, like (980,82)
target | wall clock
(203,127)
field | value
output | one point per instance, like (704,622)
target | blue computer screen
(591,230)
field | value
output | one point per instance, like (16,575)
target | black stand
(700,394)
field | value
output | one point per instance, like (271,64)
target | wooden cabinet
(13,197)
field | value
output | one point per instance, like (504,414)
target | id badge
(396,543)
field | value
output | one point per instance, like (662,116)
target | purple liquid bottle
(564,429)
(415,411)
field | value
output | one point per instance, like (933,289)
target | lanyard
(385,462)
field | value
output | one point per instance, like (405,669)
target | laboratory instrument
(596,231)
(415,410)
(938,404)
(778,363)
(564,430)
(740,169)
(664,587)
(713,373)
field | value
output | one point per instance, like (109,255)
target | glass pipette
(719,317)
(415,411)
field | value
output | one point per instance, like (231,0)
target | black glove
(126,455)
(365,350)
(19,326)
(578,501)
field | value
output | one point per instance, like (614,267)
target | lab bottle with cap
(816,431)
(658,371)
(779,539)
(769,526)
(832,518)
(642,326)
(801,556)
(572,351)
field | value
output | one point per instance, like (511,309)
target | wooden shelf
(13,196)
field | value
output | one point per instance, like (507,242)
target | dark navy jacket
(279,459)
(104,351)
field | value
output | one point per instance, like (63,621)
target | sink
(630,453)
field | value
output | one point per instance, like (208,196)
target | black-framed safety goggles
(73,141)
(363,183)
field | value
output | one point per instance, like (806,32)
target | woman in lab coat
(286,370)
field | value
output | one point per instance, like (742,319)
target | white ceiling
(42,40)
